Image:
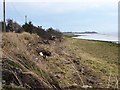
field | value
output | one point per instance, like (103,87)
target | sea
(99,36)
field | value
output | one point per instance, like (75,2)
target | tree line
(30,28)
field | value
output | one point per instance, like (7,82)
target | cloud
(63,6)
(89,1)
(60,6)
(74,5)
(54,13)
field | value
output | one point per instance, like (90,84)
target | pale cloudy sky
(66,15)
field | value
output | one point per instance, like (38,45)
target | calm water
(101,37)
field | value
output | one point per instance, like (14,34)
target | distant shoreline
(99,41)
(97,37)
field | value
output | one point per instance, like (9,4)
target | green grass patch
(99,55)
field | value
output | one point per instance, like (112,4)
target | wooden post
(25,19)
(4,16)
(12,26)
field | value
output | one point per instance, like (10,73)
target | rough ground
(73,64)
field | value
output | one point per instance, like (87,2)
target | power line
(23,15)
(17,12)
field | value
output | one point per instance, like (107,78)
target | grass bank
(100,56)
(73,62)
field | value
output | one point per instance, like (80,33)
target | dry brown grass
(98,59)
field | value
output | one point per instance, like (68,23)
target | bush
(46,34)
(28,27)
(54,32)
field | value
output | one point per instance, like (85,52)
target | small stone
(29,44)
(86,86)
(67,62)
(58,76)
(77,61)
(3,81)
(74,84)
(41,54)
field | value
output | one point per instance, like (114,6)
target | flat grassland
(99,55)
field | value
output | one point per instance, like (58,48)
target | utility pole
(25,19)
(12,26)
(4,15)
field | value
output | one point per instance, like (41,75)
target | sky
(66,15)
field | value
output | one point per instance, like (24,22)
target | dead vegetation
(67,65)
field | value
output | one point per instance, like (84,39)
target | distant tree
(46,34)
(41,32)
(54,32)
(9,26)
(59,34)
(16,27)
(12,26)
(28,27)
